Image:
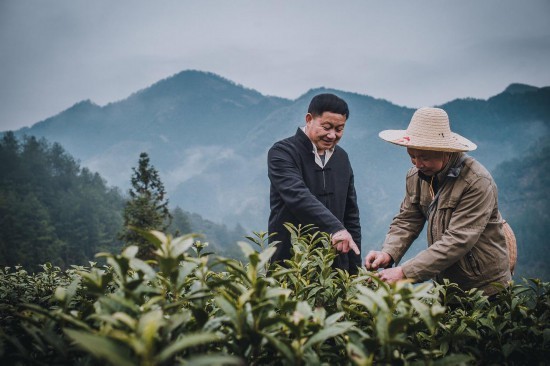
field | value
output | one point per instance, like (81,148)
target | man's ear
(309,117)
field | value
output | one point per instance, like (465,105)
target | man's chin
(427,173)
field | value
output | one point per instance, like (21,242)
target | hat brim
(453,143)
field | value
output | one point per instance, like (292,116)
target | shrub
(185,306)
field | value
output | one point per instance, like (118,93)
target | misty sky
(413,53)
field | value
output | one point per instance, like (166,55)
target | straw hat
(429,129)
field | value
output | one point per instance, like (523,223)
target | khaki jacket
(466,242)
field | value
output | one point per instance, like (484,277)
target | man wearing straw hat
(457,197)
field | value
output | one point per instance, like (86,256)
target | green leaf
(372,300)
(246,248)
(130,252)
(76,322)
(266,255)
(283,272)
(454,360)
(70,292)
(181,244)
(148,326)
(356,354)
(126,319)
(425,314)
(101,347)
(227,308)
(186,341)
(330,332)
(140,265)
(277,291)
(333,318)
(60,294)
(303,308)
(382,331)
(214,359)
(150,236)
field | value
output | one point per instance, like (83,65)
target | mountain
(524,200)
(208,137)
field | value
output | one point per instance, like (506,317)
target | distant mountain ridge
(188,100)
(208,137)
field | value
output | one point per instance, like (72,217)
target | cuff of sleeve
(338,232)
(409,271)
(393,254)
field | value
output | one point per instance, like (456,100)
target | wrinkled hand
(343,242)
(376,259)
(391,275)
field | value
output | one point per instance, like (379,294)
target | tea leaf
(101,347)
(329,332)
(184,342)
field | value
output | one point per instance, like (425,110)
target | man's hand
(375,260)
(391,275)
(343,242)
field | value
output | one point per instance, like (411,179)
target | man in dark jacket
(312,183)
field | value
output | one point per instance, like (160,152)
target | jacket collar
(453,167)
(451,170)
(310,146)
(302,137)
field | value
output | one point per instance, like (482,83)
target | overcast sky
(413,53)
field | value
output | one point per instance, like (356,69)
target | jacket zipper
(431,228)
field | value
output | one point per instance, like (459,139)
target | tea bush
(189,307)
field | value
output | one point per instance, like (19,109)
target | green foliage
(175,309)
(51,210)
(147,208)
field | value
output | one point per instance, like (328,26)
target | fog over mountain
(209,137)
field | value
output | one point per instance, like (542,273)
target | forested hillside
(53,210)
(524,199)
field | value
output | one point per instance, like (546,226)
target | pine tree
(147,208)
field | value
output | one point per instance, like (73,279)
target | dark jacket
(465,230)
(301,192)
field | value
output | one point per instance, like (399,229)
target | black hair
(328,103)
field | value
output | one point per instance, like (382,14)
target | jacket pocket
(448,204)
(441,217)
(473,264)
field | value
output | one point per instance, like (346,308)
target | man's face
(325,130)
(428,162)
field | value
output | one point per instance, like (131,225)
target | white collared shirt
(318,161)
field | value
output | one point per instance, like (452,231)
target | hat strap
(432,193)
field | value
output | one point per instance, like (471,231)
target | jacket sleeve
(287,180)
(468,221)
(352,222)
(404,229)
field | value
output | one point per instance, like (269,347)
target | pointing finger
(354,247)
